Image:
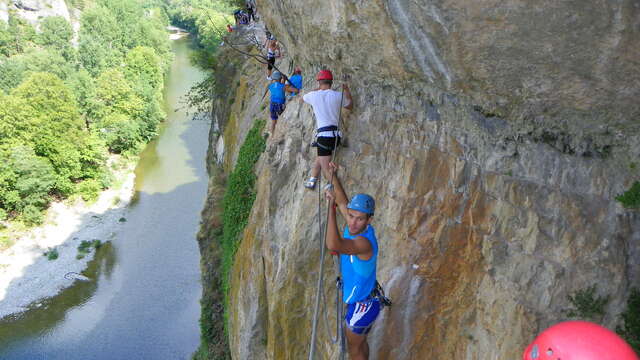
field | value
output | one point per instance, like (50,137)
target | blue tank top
(296,80)
(359,276)
(277,93)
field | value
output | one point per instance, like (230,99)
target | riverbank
(27,276)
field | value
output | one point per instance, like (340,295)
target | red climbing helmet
(578,340)
(297,70)
(324,75)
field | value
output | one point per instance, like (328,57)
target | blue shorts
(276,109)
(361,315)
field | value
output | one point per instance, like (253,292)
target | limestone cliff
(494,136)
(34,10)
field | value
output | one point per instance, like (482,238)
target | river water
(144,300)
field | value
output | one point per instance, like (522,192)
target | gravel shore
(26,276)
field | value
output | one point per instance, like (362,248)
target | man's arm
(341,199)
(335,242)
(347,94)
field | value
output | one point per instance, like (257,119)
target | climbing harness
(378,293)
(327,131)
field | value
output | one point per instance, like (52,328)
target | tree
(55,31)
(43,113)
(25,178)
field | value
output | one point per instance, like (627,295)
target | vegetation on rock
(631,198)
(630,330)
(587,305)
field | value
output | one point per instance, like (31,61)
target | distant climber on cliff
(273,52)
(250,11)
(326,107)
(358,249)
(278,99)
(296,81)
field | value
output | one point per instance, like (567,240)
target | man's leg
(315,170)
(358,347)
(323,162)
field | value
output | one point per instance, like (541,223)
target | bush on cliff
(630,330)
(239,197)
(630,199)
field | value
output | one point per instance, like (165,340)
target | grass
(630,199)
(238,198)
(213,339)
(85,247)
(587,305)
(630,329)
(52,254)
(5,241)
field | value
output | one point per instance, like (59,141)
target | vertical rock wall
(494,136)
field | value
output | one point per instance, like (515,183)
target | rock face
(34,10)
(494,136)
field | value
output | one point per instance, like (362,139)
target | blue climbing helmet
(362,202)
(276,75)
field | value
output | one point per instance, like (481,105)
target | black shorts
(329,143)
(270,62)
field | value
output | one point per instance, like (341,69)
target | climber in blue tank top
(358,249)
(277,88)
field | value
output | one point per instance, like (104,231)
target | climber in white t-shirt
(326,107)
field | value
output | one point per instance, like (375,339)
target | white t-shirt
(326,106)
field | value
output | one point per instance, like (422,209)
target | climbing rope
(322,235)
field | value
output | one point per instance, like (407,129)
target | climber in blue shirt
(358,249)
(277,88)
(296,81)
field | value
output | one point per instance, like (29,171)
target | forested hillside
(69,99)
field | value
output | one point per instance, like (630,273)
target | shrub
(630,330)
(32,215)
(630,199)
(586,305)
(85,247)
(52,254)
(89,189)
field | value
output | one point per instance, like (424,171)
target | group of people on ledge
(357,244)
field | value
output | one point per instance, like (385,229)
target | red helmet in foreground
(578,340)
(324,75)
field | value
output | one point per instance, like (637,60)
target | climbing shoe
(310,183)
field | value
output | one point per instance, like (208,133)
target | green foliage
(89,189)
(55,32)
(239,196)
(62,109)
(200,96)
(207,20)
(25,181)
(83,88)
(120,132)
(52,254)
(631,198)
(630,330)
(15,36)
(586,305)
(86,246)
